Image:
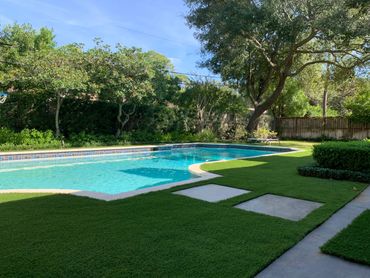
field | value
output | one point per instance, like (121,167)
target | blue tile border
(79,153)
(71,154)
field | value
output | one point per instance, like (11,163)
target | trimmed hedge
(354,156)
(326,173)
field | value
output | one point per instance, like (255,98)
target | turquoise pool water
(113,173)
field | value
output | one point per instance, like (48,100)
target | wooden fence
(331,127)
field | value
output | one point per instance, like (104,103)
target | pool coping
(195,169)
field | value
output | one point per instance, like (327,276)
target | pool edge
(194,169)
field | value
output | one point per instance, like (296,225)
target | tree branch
(259,46)
(307,39)
(357,63)
(335,51)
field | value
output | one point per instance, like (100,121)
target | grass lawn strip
(353,242)
(161,234)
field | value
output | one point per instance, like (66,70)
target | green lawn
(353,242)
(161,234)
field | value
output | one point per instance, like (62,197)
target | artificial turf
(161,234)
(353,242)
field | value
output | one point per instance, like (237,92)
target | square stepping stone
(212,192)
(284,207)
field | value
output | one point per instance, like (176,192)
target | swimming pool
(116,173)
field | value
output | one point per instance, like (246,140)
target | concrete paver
(305,260)
(212,192)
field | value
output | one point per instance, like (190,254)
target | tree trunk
(119,119)
(254,120)
(57,112)
(263,107)
(122,123)
(325,96)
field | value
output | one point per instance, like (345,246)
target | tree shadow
(166,175)
(281,162)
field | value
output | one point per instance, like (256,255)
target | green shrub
(182,137)
(142,136)
(354,156)
(27,139)
(327,173)
(83,139)
(205,136)
(264,133)
(8,136)
(11,147)
(35,137)
(359,107)
(31,139)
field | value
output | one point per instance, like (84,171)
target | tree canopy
(82,93)
(257,45)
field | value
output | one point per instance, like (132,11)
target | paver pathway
(306,260)
(212,192)
(280,206)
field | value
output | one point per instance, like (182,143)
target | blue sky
(150,24)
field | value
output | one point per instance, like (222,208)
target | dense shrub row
(33,139)
(326,173)
(354,156)
(27,139)
(83,139)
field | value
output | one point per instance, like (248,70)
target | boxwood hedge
(353,156)
(326,173)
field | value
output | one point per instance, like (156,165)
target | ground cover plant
(353,242)
(161,234)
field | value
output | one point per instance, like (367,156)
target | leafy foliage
(212,107)
(57,73)
(126,91)
(27,139)
(360,106)
(292,102)
(336,174)
(264,133)
(257,45)
(121,77)
(352,156)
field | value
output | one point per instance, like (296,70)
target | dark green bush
(27,139)
(83,139)
(354,156)
(31,139)
(326,173)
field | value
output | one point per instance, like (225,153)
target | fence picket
(330,127)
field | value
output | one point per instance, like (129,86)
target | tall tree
(211,105)
(292,102)
(18,41)
(58,72)
(166,84)
(259,44)
(121,77)
(359,105)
